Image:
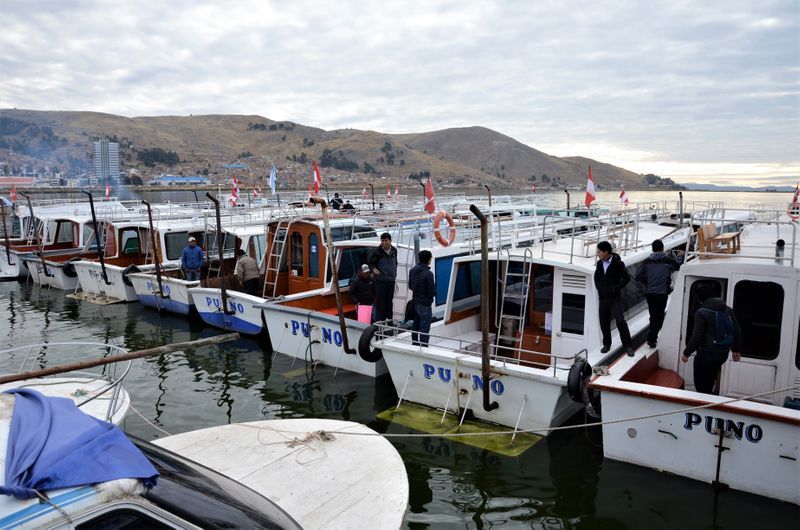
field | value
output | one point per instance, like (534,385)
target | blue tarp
(52,444)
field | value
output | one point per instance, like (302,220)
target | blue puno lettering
(752,433)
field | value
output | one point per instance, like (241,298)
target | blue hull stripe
(40,509)
(151,300)
(230,323)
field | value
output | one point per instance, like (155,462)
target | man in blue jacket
(192,260)
(420,281)
(655,273)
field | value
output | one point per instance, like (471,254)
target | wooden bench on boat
(709,240)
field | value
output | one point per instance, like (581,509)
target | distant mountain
(713,187)
(470,156)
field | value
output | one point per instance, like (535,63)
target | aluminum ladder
(514,287)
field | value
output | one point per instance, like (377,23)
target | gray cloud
(684,82)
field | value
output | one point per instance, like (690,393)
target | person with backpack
(655,274)
(716,332)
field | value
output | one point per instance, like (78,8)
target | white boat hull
(175,297)
(94,288)
(56,274)
(242,315)
(312,335)
(761,456)
(11,265)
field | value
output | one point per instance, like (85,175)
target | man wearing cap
(383,263)
(192,260)
(362,288)
(247,272)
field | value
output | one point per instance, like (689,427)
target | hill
(471,156)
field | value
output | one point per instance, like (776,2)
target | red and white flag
(396,191)
(623,197)
(591,194)
(533,188)
(234,192)
(364,193)
(317,179)
(388,192)
(13,195)
(108,190)
(430,204)
(795,199)
(256,192)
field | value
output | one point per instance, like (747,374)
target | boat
(100,395)
(746,436)
(291,473)
(516,321)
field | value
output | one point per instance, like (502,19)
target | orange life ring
(793,211)
(436,221)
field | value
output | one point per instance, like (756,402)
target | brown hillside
(459,156)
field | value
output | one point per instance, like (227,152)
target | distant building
(106,161)
(173,180)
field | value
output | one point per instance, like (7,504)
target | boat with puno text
(746,435)
(517,321)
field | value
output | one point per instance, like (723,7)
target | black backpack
(724,327)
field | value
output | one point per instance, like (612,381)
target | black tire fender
(128,270)
(365,349)
(579,374)
(69,268)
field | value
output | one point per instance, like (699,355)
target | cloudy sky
(693,90)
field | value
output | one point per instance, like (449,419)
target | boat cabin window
(759,309)
(64,232)
(350,262)
(719,286)
(125,518)
(12,224)
(228,244)
(468,285)
(313,255)
(343,233)
(634,297)
(259,246)
(129,241)
(296,250)
(175,243)
(573,309)
(442,267)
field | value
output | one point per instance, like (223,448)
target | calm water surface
(561,482)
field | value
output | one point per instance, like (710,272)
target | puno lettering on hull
(153,287)
(712,424)
(329,336)
(233,305)
(445,375)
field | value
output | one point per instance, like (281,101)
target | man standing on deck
(247,272)
(610,277)
(192,260)
(421,282)
(362,288)
(712,344)
(655,273)
(383,262)
(336,202)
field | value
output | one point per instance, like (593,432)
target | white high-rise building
(106,160)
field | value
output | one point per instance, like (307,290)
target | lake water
(563,481)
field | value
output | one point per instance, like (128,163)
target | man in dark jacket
(383,263)
(710,356)
(420,281)
(610,277)
(362,288)
(655,273)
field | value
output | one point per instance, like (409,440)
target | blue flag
(273,175)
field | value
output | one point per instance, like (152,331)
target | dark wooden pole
(118,358)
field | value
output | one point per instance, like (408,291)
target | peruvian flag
(108,190)
(235,192)
(364,193)
(388,192)
(13,194)
(533,188)
(623,197)
(795,199)
(591,194)
(430,204)
(317,179)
